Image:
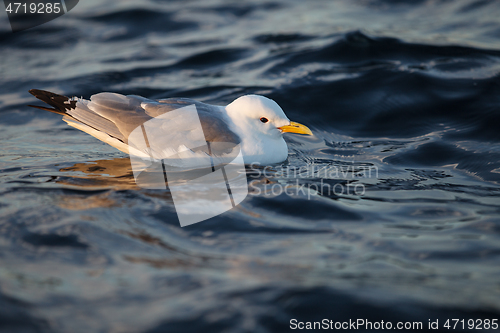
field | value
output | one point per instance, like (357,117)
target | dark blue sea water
(409,90)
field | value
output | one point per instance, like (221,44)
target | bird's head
(262,115)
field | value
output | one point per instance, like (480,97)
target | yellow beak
(295,128)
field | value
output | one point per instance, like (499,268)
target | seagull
(254,124)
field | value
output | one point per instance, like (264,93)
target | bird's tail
(60,103)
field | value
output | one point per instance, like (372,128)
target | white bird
(253,123)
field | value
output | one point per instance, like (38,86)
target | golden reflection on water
(109,175)
(114,173)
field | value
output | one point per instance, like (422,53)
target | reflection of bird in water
(113,173)
(255,123)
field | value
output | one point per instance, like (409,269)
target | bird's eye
(264,120)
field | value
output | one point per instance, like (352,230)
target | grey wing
(125,112)
(212,120)
(220,139)
(118,116)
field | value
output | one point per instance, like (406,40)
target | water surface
(408,90)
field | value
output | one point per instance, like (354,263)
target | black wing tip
(39,93)
(58,102)
(47,109)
